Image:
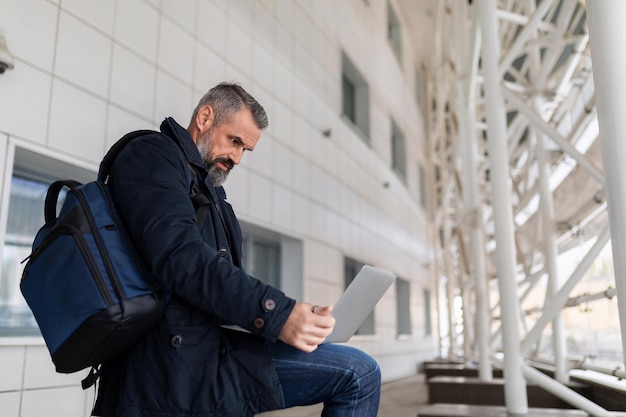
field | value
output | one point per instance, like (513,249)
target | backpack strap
(107,161)
(200,201)
(50,204)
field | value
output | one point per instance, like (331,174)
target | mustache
(226,161)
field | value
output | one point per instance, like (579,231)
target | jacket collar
(181,136)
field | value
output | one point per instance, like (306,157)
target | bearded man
(192,363)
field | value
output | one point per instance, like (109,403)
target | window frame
(398,151)
(291,256)
(360,100)
(404,325)
(394,32)
(24,159)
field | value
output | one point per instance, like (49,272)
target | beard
(216,174)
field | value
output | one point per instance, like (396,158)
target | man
(190,364)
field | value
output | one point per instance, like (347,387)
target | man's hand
(305,329)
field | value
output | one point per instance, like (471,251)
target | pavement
(400,398)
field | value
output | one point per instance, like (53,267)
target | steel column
(550,255)
(607,34)
(471,195)
(514,384)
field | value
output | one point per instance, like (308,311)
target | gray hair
(226,99)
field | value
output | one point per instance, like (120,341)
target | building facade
(338,180)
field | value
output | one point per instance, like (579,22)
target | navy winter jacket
(189,365)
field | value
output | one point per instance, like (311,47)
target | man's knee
(366,371)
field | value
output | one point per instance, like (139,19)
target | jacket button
(269,304)
(223,252)
(258,323)
(177,341)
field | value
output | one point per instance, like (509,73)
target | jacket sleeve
(149,184)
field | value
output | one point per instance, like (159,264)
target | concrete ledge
(454,369)
(607,391)
(473,391)
(467,410)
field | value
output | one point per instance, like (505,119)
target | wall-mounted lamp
(6,59)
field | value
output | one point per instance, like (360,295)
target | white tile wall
(303,137)
(211,28)
(260,159)
(262,65)
(24,102)
(237,187)
(84,135)
(175,51)
(283,82)
(132,82)
(302,214)
(301,175)
(120,122)
(173,98)
(83,56)
(241,12)
(263,25)
(239,47)
(282,122)
(260,194)
(10,403)
(234,74)
(98,14)
(210,69)
(282,164)
(282,206)
(46,402)
(33,42)
(11,365)
(136,27)
(181,12)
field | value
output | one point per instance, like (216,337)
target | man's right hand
(305,329)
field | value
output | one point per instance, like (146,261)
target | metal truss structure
(526,152)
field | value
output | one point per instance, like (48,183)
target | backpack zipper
(117,287)
(133,253)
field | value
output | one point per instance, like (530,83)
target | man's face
(221,147)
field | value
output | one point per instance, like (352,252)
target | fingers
(308,326)
(323,311)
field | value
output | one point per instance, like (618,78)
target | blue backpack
(86,284)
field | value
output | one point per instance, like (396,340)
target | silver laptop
(358,301)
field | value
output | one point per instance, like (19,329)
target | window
(274,258)
(349,104)
(394,32)
(428,326)
(31,176)
(422,184)
(351,268)
(418,89)
(261,259)
(403,306)
(398,151)
(355,97)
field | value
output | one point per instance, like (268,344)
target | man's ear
(205,118)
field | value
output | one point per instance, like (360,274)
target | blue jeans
(345,379)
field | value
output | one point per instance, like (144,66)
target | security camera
(6,59)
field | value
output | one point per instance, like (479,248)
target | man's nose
(236,155)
